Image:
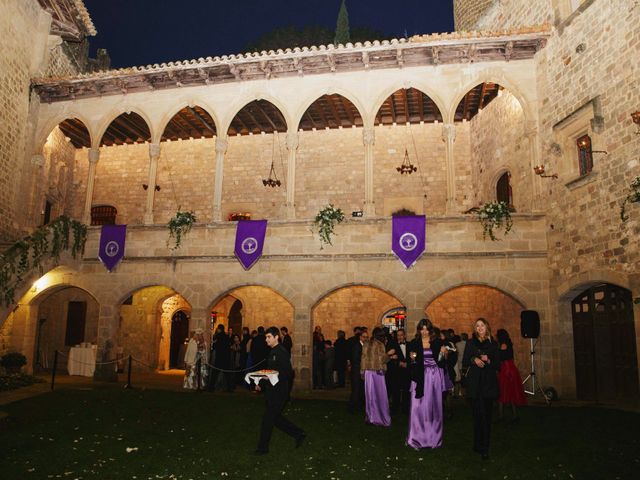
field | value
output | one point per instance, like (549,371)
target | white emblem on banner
(112,248)
(408,242)
(249,245)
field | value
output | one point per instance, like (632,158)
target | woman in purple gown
(427,385)
(372,367)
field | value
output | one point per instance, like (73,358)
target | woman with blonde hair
(197,350)
(372,368)
(481,358)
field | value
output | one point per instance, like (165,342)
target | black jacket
(417,367)
(481,382)
(278,359)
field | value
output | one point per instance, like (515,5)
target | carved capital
(292,140)
(368,136)
(530,129)
(448,132)
(94,155)
(154,150)
(221,144)
(37,160)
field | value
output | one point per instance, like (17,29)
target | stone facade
(567,235)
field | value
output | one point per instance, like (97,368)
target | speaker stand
(531,378)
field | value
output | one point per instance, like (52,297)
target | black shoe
(260,452)
(300,440)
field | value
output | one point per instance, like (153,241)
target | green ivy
(325,222)
(179,226)
(28,253)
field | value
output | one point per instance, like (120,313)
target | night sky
(142,32)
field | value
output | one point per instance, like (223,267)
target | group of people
(390,374)
(222,362)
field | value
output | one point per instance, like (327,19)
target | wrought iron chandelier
(406,167)
(272,181)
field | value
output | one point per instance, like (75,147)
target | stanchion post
(128,385)
(55,367)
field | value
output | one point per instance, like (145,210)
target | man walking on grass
(276,396)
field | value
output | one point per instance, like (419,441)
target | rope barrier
(85,363)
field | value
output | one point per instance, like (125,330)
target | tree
(342,26)
(290,37)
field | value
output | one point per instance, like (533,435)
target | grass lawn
(79,434)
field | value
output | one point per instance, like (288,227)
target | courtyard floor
(86,429)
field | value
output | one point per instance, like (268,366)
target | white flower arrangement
(325,222)
(179,226)
(632,197)
(493,216)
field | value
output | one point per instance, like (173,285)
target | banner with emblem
(408,237)
(249,241)
(112,245)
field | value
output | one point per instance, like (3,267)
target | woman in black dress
(483,362)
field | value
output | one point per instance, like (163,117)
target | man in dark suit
(222,351)
(286,339)
(259,350)
(356,400)
(400,394)
(341,348)
(276,396)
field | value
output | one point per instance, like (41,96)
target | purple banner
(249,241)
(112,245)
(408,237)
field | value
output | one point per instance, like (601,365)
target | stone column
(293,141)
(222,143)
(200,318)
(154,155)
(531,134)
(449,136)
(94,156)
(108,334)
(414,315)
(368,139)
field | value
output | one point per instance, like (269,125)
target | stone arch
(496,176)
(242,102)
(315,95)
(501,79)
(425,89)
(381,301)
(124,291)
(115,113)
(176,107)
(576,284)
(56,120)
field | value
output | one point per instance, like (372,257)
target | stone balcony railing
(354,239)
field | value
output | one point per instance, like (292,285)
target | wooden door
(76,320)
(605,344)
(179,334)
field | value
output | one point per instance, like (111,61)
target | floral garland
(50,239)
(633,197)
(325,222)
(179,226)
(493,216)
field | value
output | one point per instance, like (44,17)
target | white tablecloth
(259,375)
(82,361)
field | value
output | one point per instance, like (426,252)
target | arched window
(504,193)
(103,215)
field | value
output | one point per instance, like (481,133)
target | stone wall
(467,12)
(54,310)
(329,169)
(498,144)
(351,307)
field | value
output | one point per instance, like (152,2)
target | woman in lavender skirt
(427,384)
(373,367)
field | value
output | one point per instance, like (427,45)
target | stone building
(519,85)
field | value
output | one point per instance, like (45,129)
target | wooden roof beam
(130,123)
(264,114)
(336,115)
(465,108)
(483,90)
(347,108)
(405,102)
(203,120)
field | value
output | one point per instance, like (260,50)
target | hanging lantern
(406,167)
(272,181)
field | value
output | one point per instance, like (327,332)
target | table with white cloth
(82,361)
(271,375)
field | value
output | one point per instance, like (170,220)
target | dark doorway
(605,344)
(504,193)
(76,320)
(179,334)
(235,317)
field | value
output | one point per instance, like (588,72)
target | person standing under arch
(426,416)
(509,379)
(482,359)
